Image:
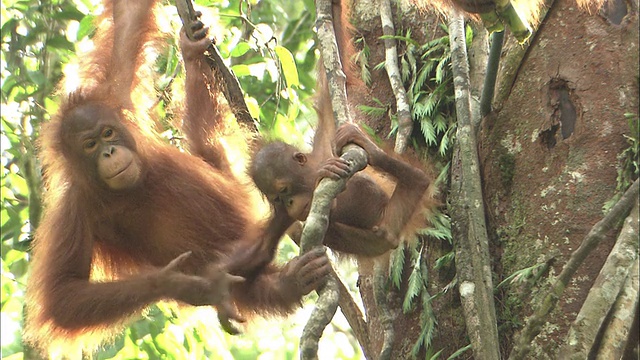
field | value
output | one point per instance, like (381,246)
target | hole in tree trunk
(614,11)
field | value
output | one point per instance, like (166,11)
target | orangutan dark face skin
(95,133)
(280,172)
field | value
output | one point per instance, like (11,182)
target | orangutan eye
(90,145)
(108,134)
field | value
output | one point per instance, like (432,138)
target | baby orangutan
(375,210)
(364,219)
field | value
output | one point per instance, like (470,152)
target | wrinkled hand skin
(213,289)
(334,168)
(193,49)
(305,273)
(351,134)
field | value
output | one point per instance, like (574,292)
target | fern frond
(413,289)
(397,265)
(428,131)
(373,111)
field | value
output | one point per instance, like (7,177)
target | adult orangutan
(131,220)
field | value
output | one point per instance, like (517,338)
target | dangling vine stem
(318,220)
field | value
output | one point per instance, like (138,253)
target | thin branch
(518,25)
(497,38)
(604,292)
(317,222)
(313,233)
(478,53)
(405,123)
(328,46)
(618,334)
(380,280)
(590,242)
(355,318)
(468,218)
(231,89)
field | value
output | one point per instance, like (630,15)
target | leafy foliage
(425,70)
(431,90)
(628,168)
(524,275)
(33,48)
(271,50)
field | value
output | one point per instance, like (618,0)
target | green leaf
(241,70)
(428,131)
(441,71)
(444,146)
(397,265)
(7,27)
(240,49)
(459,352)
(444,260)
(413,289)
(60,42)
(373,111)
(294,109)
(253,106)
(404,69)
(401,38)
(288,66)
(37,77)
(68,13)
(9,83)
(468,35)
(86,28)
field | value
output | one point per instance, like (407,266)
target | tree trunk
(549,157)
(548,164)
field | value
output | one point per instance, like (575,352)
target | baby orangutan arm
(411,184)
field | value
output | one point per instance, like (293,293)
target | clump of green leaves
(429,82)
(425,70)
(628,170)
(417,291)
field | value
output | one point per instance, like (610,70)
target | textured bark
(548,303)
(478,59)
(355,318)
(604,292)
(313,233)
(405,122)
(510,66)
(467,212)
(617,337)
(545,190)
(317,222)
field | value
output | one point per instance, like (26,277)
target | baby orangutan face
(284,176)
